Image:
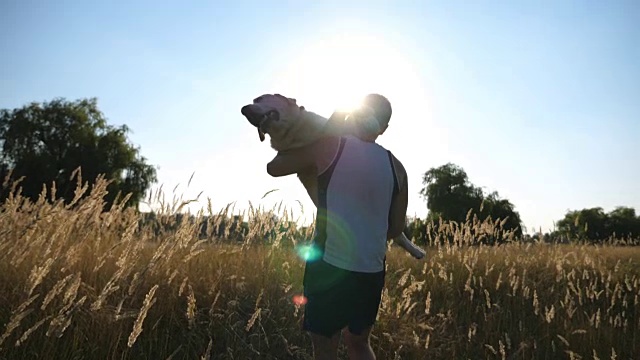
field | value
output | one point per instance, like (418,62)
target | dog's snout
(258,115)
(247,111)
(252,113)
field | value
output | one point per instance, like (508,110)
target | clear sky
(539,101)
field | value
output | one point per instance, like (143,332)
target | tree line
(594,224)
(45,143)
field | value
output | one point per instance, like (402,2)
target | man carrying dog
(362,202)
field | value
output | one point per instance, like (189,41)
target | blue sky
(535,100)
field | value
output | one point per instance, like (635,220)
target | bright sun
(337,72)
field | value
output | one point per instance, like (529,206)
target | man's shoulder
(382,148)
(396,162)
(401,172)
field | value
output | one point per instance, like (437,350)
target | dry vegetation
(79,283)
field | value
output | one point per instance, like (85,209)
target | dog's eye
(273,115)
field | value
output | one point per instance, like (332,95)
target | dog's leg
(336,125)
(414,250)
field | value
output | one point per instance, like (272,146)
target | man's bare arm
(398,214)
(309,179)
(399,202)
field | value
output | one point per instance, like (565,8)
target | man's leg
(366,296)
(325,348)
(358,346)
(324,313)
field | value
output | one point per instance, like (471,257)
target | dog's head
(273,114)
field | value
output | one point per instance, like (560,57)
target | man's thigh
(366,296)
(338,298)
(327,289)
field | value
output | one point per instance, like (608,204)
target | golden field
(80,283)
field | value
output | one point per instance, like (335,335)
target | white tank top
(354,198)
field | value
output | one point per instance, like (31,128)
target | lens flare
(337,227)
(340,230)
(299,300)
(308,252)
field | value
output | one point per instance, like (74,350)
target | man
(362,202)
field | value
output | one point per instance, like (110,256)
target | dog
(290,126)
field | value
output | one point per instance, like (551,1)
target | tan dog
(291,126)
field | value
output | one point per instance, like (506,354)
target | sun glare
(337,72)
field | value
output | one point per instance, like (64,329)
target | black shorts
(337,298)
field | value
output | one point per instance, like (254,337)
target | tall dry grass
(80,283)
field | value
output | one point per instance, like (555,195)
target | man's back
(354,199)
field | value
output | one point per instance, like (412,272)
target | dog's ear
(261,135)
(291,101)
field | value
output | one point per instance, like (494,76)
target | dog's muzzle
(260,117)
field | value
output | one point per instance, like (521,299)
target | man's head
(363,123)
(381,107)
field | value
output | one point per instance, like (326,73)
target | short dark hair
(381,106)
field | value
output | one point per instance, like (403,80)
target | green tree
(46,142)
(594,225)
(448,193)
(495,208)
(450,196)
(622,221)
(416,229)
